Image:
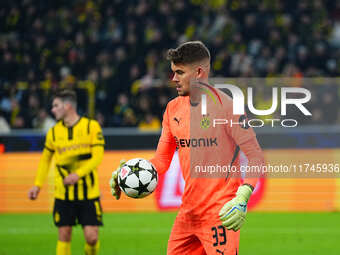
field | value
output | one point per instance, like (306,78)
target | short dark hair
(189,53)
(67,95)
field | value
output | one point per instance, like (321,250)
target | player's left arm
(245,137)
(97,152)
(233,212)
(254,154)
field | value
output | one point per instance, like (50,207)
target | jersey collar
(80,117)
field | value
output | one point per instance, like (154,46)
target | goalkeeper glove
(115,189)
(233,213)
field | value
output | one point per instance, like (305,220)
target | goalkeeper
(213,209)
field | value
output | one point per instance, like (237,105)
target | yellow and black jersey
(78,149)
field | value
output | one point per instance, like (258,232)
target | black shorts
(71,213)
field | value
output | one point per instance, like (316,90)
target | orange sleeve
(254,154)
(239,132)
(166,146)
(245,137)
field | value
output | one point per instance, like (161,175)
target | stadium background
(112,53)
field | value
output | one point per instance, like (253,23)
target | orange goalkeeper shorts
(202,237)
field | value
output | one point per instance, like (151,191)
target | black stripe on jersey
(237,150)
(88,126)
(60,172)
(66,167)
(70,133)
(66,187)
(84,156)
(80,157)
(49,149)
(97,144)
(76,191)
(92,178)
(53,134)
(84,187)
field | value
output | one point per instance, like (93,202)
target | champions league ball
(137,178)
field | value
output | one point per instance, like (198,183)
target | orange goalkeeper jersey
(203,146)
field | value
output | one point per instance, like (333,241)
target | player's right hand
(115,190)
(33,192)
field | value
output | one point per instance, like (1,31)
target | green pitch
(147,233)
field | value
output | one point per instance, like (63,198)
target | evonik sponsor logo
(196,142)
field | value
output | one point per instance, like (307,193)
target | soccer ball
(137,178)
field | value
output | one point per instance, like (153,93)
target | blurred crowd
(120,47)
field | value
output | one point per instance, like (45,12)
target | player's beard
(182,92)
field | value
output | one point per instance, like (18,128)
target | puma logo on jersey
(177,120)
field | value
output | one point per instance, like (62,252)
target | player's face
(58,109)
(183,74)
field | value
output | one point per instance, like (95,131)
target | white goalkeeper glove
(115,189)
(233,213)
